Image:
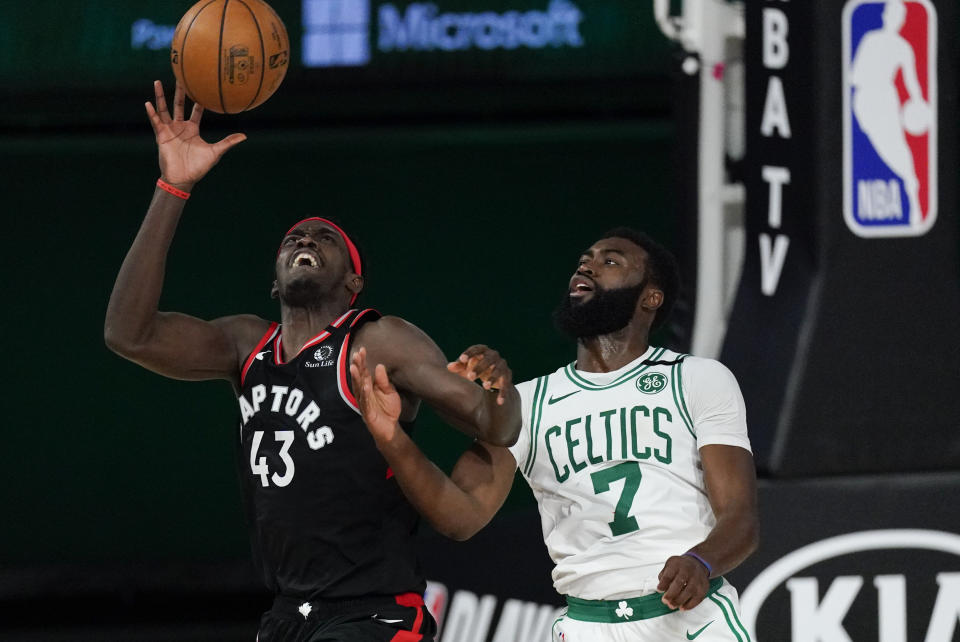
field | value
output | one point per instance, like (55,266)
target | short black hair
(662,269)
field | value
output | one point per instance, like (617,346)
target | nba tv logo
(890,117)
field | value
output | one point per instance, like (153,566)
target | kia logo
(827,625)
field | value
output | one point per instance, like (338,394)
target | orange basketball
(230,55)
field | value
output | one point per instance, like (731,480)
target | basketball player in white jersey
(638,458)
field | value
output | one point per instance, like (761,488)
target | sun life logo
(322,357)
(624,611)
(651,383)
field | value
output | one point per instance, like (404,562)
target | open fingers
(152,116)
(487,374)
(381,379)
(179,100)
(357,377)
(500,384)
(357,374)
(363,389)
(483,363)
(358,369)
(464,367)
(359,361)
(161,101)
(493,374)
(473,364)
(196,113)
(230,141)
(473,351)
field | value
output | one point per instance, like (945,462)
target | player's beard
(607,311)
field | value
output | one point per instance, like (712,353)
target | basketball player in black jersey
(332,533)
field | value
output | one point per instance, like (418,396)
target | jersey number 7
(629,472)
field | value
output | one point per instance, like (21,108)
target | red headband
(351,248)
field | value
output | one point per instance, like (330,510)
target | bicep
(418,367)
(181,346)
(730,479)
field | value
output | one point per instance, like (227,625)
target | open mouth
(580,286)
(305,259)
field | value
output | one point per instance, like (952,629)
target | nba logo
(889,117)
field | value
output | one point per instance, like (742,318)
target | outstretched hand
(486,364)
(379,401)
(184,157)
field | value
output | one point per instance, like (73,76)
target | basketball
(230,55)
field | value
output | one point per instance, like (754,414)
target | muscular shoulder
(387,327)
(243,330)
(394,341)
(386,331)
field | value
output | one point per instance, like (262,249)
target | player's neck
(300,324)
(609,352)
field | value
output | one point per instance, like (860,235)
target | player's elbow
(459,532)
(500,437)
(121,342)
(750,536)
(116,341)
(460,524)
(499,431)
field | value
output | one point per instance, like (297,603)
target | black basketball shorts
(401,618)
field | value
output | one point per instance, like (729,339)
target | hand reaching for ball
(184,157)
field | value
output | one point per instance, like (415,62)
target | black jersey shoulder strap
(267,337)
(362,317)
(343,358)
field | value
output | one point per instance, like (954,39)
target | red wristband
(167,187)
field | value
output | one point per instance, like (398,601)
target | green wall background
(471,232)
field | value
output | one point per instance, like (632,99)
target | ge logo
(651,383)
(322,353)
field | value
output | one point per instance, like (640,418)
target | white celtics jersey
(613,460)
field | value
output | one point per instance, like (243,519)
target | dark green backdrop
(471,231)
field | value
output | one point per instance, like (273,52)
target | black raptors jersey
(327,521)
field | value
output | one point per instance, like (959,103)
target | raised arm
(172,344)
(456,506)
(416,365)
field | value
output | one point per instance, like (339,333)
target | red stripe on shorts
(413,600)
